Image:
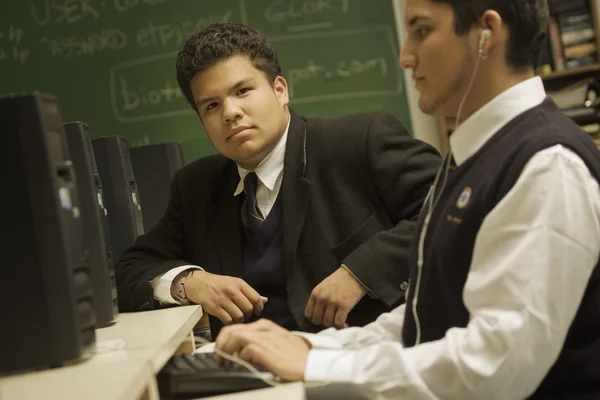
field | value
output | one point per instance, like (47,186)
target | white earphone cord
(432,203)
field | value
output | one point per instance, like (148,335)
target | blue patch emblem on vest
(464,198)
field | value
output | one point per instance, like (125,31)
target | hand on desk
(332,300)
(230,299)
(268,345)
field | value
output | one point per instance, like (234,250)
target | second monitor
(121,195)
(95,222)
(154,166)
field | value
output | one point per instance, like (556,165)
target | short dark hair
(218,42)
(527,21)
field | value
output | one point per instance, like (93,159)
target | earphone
(485,35)
(431,201)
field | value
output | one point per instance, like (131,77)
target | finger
(318,312)
(223,316)
(242,302)
(237,341)
(329,315)
(237,336)
(341,315)
(256,351)
(260,306)
(236,314)
(310,307)
(263,325)
(221,339)
(227,362)
(260,352)
(231,329)
(224,347)
(252,354)
(253,296)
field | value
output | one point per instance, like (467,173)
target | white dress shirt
(532,259)
(270,176)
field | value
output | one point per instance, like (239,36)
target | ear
(281,90)
(493,32)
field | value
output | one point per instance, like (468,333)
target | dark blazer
(352,190)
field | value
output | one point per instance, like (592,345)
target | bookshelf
(565,76)
(574,40)
(572,72)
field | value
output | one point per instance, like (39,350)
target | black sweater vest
(490,174)
(263,267)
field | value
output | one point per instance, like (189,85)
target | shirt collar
(477,129)
(270,167)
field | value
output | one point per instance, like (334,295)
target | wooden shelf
(572,72)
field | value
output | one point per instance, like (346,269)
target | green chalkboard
(111,62)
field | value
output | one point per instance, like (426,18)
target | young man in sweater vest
(504,294)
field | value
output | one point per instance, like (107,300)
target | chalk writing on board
(282,11)
(11,48)
(343,69)
(135,98)
(14,53)
(312,75)
(46,12)
(111,39)
(126,5)
(165,35)
(15,34)
(369,71)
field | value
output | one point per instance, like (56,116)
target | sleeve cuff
(320,341)
(369,293)
(162,284)
(329,365)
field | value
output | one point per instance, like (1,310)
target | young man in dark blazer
(306,222)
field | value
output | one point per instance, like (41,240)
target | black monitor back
(95,223)
(154,166)
(45,289)
(125,222)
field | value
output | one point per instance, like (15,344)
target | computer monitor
(45,289)
(95,223)
(154,166)
(125,222)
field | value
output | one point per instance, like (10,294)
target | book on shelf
(560,6)
(571,38)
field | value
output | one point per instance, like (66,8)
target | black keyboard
(189,376)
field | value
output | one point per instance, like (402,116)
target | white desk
(288,391)
(154,336)
(127,373)
(296,391)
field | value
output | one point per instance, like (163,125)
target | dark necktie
(251,216)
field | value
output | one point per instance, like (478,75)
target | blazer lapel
(226,226)
(295,188)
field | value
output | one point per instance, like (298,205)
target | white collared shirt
(532,259)
(270,176)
